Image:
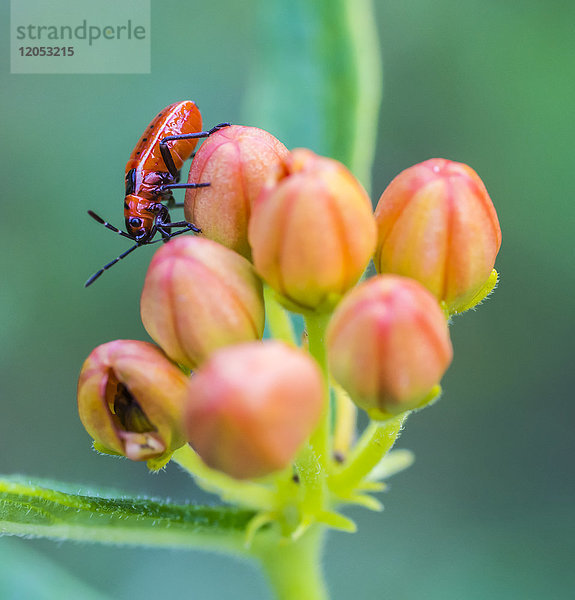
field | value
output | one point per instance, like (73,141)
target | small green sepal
(481,295)
(158,463)
(103,450)
(392,463)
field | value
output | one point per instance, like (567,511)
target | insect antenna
(185,228)
(110,264)
(108,225)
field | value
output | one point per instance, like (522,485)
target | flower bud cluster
(304,226)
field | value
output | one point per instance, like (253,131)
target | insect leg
(176,186)
(182,224)
(217,127)
(167,236)
(185,227)
(167,155)
(190,227)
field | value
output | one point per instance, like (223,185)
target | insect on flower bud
(312,231)
(252,406)
(130,400)
(388,345)
(199,296)
(437,224)
(236,160)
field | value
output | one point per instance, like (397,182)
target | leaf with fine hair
(31,510)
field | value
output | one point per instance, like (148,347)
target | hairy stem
(313,462)
(376,441)
(315,326)
(294,567)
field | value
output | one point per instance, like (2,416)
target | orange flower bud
(437,224)
(199,296)
(236,161)
(252,406)
(388,345)
(130,400)
(312,231)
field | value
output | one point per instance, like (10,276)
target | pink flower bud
(437,224)
(312,231)
(130,400)
(236,161)
(252,406)
(199,296)
(388,345)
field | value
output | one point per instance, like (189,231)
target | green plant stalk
(316,324)
(377,439)
(293,567)
(278,320)
(313,462)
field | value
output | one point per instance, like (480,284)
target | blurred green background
(487,509)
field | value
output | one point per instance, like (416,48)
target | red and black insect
(152,172)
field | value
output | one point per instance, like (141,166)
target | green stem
(312,463)
(244,493)
(278,319)
(316,324)
(294,567)
(376,441)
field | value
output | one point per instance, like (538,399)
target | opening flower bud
(252,406)
(199,296)
(437,224)
(388,345)
(236,161)
(312,231)
(130,400)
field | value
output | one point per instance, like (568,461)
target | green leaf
(28,509)
(393,462)
(318,81)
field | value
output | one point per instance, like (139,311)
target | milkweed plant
(259,416)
